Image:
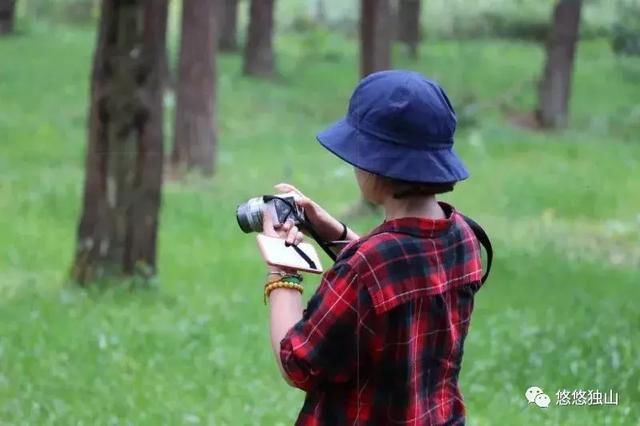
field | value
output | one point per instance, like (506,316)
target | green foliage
(61,11)
(311,43)
(518,20)
(625,39)
(441,19)
(462,19)
(194,347)
(517,26)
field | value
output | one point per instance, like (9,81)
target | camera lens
(249,215)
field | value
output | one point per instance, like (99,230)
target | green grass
(563,209)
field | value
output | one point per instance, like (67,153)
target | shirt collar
(418,226)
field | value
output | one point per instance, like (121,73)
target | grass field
(560,311)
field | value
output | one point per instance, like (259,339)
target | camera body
(282,208)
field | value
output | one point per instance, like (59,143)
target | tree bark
(375,36)
(160,9)
(319,11)
(7,16)
(195,127)
(555,85)
(78,11)
(258,52)
(228,40)
(409,25)
(117,232)
(376,33)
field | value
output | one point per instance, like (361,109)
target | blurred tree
(228,40)
(258,51)
(555,86)
(375,55)
(394,23)
(195,129)
(409,25)
(319,11)
(375,36)
(7,16)
(122,190)
(79,11)
(160,8)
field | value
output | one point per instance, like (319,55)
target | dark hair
(412,189)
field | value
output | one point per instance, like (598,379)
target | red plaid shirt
(381,340)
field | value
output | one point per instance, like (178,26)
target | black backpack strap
(482,236)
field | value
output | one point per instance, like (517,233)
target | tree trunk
(160,9)
(7,16)
(375,36)
(319,11)
(258,52)
(394,10)
(118,226)
(376,32)
(228,40)
(555,86)
(195,129)
(409,25)
(78,11)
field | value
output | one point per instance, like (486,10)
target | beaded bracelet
(285,276)
(294,279)
(269,287)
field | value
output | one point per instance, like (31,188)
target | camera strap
(323,244)
(303,255)
(305,225)
(482,236)
(478,231)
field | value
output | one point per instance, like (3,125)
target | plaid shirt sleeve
(320,347)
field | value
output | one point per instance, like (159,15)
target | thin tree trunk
(319,11)
(117,232)
(228,40)
(7,16)
(555,85)
(160,9)
(195,127)
(376,33)
(78,11)
(258,53)
(375,36)
(394,11)
(409,25)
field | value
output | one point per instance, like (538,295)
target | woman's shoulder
(406,240)
(371,249)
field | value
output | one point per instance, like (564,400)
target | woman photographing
(381,340)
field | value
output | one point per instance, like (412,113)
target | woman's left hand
(287,231)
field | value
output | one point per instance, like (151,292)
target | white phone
(276,253)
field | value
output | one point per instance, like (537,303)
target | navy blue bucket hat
(399,125)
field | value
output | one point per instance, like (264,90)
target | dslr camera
(283,207)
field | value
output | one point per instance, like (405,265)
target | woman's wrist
(343,233)
(334,230)
(328,227)
(287,281)
(279,273)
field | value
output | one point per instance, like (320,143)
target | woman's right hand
(328,227)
